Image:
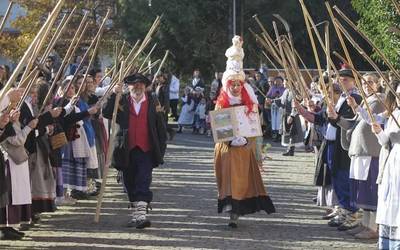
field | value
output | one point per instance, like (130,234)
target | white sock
(372,223)
(365,218)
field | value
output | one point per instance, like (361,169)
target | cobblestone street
(184,214)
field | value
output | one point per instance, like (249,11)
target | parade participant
(292,131)
(364,153)
(323,168)
(75,154)
(338,157)
(275,91)
(240,187)
(388,207)
(140,143)
(37,145)
(162,94)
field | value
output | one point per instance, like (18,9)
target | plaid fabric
(74,170)
(389,237)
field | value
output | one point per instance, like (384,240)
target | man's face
(347,82)
(196,74)
(258,77)
(137,90)
(90,86)
(278,82)
(71,91)
(98,77)
(369,85)
(33,95)
(49,63)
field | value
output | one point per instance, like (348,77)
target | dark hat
(346,72)
(135,78)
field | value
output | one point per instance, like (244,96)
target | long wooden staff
(59,31)
(266,46)
(50,20)
(149,67)
(347,54)
(80,32)
(92,44)
(147,57)
(397,6)
(159,68)
(8,11)
(365,37)
(328,58)
(98,37)
(317,61)
(110,147)
(271,62)
(367,58)
(362,77)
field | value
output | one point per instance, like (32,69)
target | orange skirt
(239,180)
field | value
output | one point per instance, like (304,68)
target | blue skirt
(74,170)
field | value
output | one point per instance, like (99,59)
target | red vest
(138,130)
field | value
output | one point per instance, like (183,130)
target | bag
(17,153)
(120,155)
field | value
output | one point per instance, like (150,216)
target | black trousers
(173,104)
(138,176)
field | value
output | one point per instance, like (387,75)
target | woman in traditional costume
(240,186)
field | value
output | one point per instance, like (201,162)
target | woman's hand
(376,128)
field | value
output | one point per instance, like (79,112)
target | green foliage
(376,19)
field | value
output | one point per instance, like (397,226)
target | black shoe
(232,225)
(79,195)
(16,231)
(26,227)
(8,234)
(143,224)
(290,152)
(172,134)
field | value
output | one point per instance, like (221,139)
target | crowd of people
(54,153)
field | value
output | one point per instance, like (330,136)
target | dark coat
(157,131)
(4,181)
(341,159)
(44,120)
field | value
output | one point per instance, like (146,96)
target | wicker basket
(58,140)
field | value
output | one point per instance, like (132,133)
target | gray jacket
(359,140)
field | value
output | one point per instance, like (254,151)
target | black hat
(135,78)
(346,72)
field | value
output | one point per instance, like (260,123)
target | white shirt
(331,130)
(138,105)
(174,88)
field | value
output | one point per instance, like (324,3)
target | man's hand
(376,128)
(331,112)
(93,110)
(352,102)
(117,88)
(4,120)
(15,94)
(33,124)
(14,115)
(289,120)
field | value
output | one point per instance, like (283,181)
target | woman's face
(236,88)
(398,93)
(370,86)
(71,91)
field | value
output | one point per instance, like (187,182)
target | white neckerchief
(195,81)
(138,105)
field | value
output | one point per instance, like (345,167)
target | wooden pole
(321,78)
(380,53)
(49,22)
(110,147)
(347,54)
(5,17)
(67,58)
(147,57)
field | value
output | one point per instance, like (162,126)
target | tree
(377,18)
(13,46)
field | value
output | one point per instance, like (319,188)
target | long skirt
(389,237)
(364,193)
(43,180)
(326,196)
(240,186)
(74,170)
(14,215)
(276,117)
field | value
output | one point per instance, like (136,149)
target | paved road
(184,212)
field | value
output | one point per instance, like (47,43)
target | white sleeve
(383,138)
(21,134)
(4,102)
(379,118)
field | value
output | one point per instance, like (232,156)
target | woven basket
(58,140)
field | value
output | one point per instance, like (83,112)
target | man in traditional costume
(240,187)
(139,145)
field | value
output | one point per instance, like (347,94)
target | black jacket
(157,131)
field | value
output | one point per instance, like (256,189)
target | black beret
(346,72)
(135,78)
